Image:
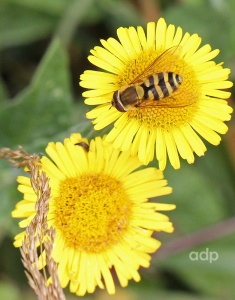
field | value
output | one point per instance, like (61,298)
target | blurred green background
(43,50)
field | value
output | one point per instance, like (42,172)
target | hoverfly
(150,86)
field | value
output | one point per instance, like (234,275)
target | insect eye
(115,96)
(120,107)
(117,103)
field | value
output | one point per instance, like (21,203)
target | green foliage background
(43,50)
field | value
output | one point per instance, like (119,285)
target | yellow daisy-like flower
(100,211)
(170,126)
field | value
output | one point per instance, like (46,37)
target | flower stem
(195,239)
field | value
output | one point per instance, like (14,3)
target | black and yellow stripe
(160,85)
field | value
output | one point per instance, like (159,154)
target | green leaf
(9,291)
(204,195)
(19,25)
(208,269)
(9,196)
(52,7)
(3,92)
(44,107)
(213,25)
(168,295)
(41,111)
(73,16)
(203,192)
(120,13)
(26,21)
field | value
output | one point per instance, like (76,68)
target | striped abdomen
(160,85)
(155,87)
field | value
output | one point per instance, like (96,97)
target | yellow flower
(170,126)
(100,211)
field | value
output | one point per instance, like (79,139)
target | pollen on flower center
(136,67)
(92,212)
(164,118)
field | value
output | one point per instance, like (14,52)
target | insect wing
(187,98)
(159,63)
